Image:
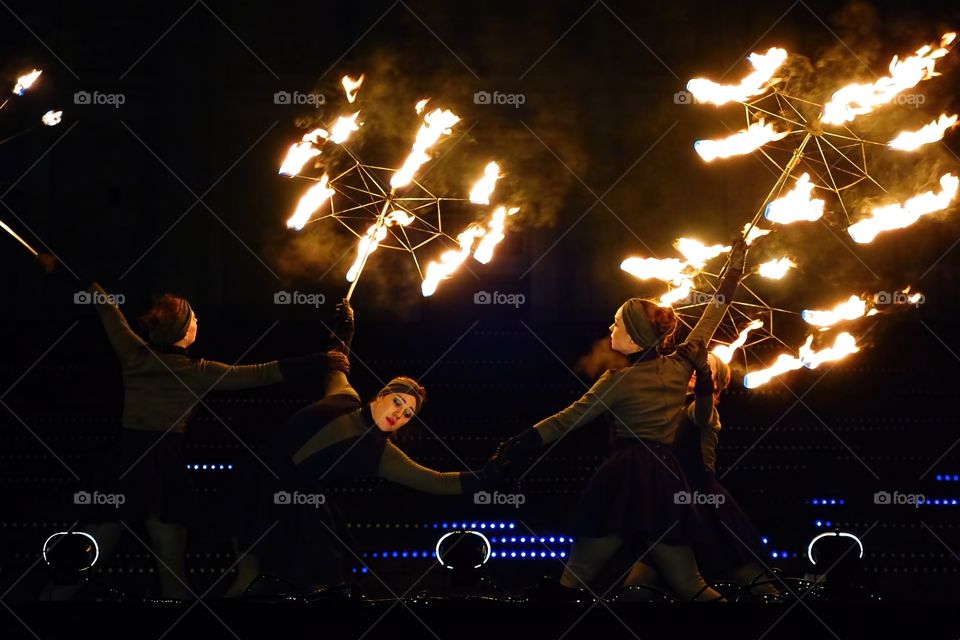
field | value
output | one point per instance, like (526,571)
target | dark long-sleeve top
(698,436)
(645,398)
(335,439)
(161,387)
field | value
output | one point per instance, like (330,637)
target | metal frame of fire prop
(398,211)
(836,156)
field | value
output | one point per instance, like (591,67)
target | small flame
(912,140)
(851,309)
(764,66)
(421,105)
(450,260)
(435,124)
(682,292)
(755,233)
(25,81)
(667,269)
(740,143)
(52,118)
(480,194)
(797,205)
(343,127)
(494,235)
(302,152)
(376,233)
(310,202)
(724,352)
(697,253)
(857,99)
(776,269)
(844,345)
(351,86)
(896,216)
(784,363)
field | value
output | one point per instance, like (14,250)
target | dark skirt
(634,495)
(304,544)
(729,539)
(144,474)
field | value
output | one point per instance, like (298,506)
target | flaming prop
(401,213)
(824,159)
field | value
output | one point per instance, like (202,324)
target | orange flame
(310,202)
(667,269)
(896,216)
(697,253)
(724,352)
(450,260)
(740,143)
(857,99)
(302,152)
(764,65)
(682,292)
(844,345)
(494,234)
(755,233)
(797,205)
(776,269)
(52,118)
(343,128)
(25,81)
(480,194)
(913,140)
(376,233)
(435,124)
(851,309)
(351,86)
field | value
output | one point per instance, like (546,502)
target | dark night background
(177,190)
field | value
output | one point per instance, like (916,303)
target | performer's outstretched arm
(727,288)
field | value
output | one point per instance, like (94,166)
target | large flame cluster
(797,198)
(479,239)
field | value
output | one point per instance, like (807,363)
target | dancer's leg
(169,543)
(587,558)
(679,568)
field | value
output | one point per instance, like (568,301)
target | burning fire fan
(390,207)
(818,157)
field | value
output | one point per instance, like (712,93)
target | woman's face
(392,411)
(620,340)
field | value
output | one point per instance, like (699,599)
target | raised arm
(125,342)
(729,281)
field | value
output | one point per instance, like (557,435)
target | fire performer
(631,497)
(163,384)
(294,531)
(728,543)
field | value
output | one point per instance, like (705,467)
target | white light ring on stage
(486,543)
(96,547)
(840,534)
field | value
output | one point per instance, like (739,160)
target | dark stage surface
(175,189)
